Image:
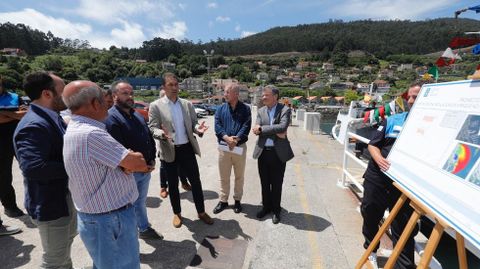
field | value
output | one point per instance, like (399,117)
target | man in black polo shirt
(130,129)
(9,117)
(380,193)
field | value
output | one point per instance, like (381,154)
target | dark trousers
(186,161)
(7,193)
(163,177)
(271,171)
(376,200)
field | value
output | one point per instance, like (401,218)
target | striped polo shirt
(91,157)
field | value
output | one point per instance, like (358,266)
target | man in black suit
(272,150)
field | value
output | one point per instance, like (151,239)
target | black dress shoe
(276,218)
(262,213)
(220,207)
(237,208)
(14,212)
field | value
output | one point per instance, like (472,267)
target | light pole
(208,55)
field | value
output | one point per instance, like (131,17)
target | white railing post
(341,183)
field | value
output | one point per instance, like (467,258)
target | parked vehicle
(142,108)
(209,108)
(200,111)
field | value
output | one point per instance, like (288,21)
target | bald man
(101,181)
(38,143)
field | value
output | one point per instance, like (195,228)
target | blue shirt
(271,116)
(131,130)
(233,122)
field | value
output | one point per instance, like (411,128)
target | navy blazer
(38,143)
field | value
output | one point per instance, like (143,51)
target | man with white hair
(100,180)
(232,124)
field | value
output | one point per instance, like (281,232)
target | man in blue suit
(38,143)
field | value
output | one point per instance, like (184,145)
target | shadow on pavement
(229,229)
(300,221)
(153,202)
(169,254)
(207,195)
(13,253)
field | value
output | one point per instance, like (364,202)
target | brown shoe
(177,220)
(187,187)
(163,192)
(205,218)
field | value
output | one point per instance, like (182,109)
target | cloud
(238,28)
(268,2)
(247,33)
(388,9)
(176,30)
(222,19)
(128,35)
(212,5)
(182,6)
(114,11)
(131,35)
(58,26)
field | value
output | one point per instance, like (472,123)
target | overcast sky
(128,23)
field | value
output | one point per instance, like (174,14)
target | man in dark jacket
(130,129)
(38,143)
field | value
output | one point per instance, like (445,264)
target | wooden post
(381,231)
(462,254)
(412,223)
(431,246)
(419,210)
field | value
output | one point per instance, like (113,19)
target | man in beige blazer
(173,122)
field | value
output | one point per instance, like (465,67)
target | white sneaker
(7,230)
(373,260)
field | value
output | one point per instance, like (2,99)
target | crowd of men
(88,172)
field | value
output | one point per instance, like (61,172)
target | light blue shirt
(271,116)
(178,123)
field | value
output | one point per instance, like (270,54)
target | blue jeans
(111,238)
(142,180)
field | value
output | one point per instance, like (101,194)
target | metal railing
(347,154)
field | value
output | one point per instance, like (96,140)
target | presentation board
(436,156)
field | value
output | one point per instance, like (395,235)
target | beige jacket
(159,114)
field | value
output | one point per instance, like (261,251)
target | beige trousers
(226,161)
(56,237)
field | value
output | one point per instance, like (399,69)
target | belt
(181,145)
(119,209)
(268,148)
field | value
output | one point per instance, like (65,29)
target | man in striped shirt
(101,183)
